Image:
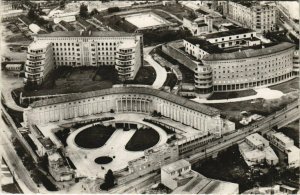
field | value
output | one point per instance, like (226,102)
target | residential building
(181,179)
(279,140)
(39,63)
(174,170)
(296,59)
(259,16)
(80,48)
(255,150)
(126,99)
(293,156)
(286,145)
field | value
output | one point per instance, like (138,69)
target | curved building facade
(127,99)
(250,68)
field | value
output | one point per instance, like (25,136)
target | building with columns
(126,99)
(81,48)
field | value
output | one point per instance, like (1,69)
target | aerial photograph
(149,97)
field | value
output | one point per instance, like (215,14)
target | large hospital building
(237,60)
(84,48)
(128,99)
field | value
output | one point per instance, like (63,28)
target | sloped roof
(130,90)
(86,34)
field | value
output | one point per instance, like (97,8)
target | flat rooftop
(249,52)
(205,45)
(234,31)
(176,166)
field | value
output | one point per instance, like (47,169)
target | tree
(109,180)
(83,12)
(62,4)
(94,12)
(31,14)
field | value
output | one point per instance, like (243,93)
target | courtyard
(139,20)
(99,152)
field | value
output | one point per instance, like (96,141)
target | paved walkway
(161,73)
(264,93)
(9,83)
(115,146)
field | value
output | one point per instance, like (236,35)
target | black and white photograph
(149,97)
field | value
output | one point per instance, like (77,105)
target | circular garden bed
(142,139)
(94,137)
(103,160)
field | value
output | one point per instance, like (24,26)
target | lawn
(230,95)
(145,76)
(286,87)
(142,139)
(11,188)
(94,137)
(177,10)
(259,106)
(74,80)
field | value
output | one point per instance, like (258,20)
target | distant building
(293,156)
(13,67)
(67,19)
(76,49)
(181,179)
(256,150)
(260,17)
(66,26)
(197,26)
(24,20)
(296,58)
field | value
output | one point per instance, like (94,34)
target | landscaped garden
(103,160)
(230,95)
(94,136)
(142,139)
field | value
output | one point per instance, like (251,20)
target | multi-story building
(126,99)
(258,16)
(39,62)
(81,48)
(237,60)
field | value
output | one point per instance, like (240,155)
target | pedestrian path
(264,93)
(161,73)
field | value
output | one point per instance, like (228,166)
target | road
(263,126)
(14,162)
(161,73)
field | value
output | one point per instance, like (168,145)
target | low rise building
(279,140)
(256,150)
(293,157)
(57,168)
(286,145)
(181,179)
(66,26)
(197,26)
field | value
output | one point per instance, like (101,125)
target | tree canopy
(83,12)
